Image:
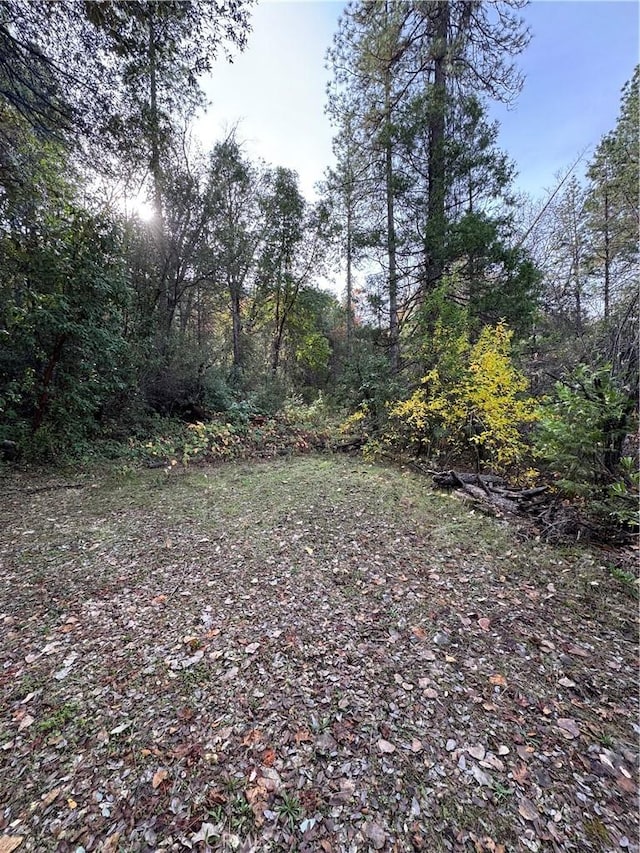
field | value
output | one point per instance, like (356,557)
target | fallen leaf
(484,623)
(477,752)
(308,550)
(568,727)
(252,648)
(25,722)
(72,803)
(10,842)
(520,774)
(254,736)
(303,736)
(480,776)
(528,810)
(112,844)
(47,799)
(498,679)
(158,777)
(418,632)
(578,651)
(268,757)
(159,599)
(566,682)
(385,746)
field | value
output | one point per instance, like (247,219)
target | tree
(410,78)
(235,231)
(160,49)
(363,101)
(62,301)
(290,254)
(612,202)
(345,191)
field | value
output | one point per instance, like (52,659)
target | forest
(165,303)
(318,529)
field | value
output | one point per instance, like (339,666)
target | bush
(582,429)
(474,405)
(580,435)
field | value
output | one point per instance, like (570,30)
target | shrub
(474,403)
(580,435)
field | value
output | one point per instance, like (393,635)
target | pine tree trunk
(391,231)
(437,161)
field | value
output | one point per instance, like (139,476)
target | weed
(233,784)
(58,720)
(606,740)
(290,810)
(501,793)
(241,817)
(194,676)
(627,580)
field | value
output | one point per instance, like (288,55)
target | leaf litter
(326,657)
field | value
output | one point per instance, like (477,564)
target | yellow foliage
(354,422)
(479,404)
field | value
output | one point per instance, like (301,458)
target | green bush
(581,434)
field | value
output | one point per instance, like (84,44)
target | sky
(581,54)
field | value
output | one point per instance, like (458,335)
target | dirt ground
(313,654)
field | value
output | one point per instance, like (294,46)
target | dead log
(458,479)
(491,492)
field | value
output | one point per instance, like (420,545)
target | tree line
(474,324)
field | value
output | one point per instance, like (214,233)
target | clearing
(312,654)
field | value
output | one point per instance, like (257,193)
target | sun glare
(142,209)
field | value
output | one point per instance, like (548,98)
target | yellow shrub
(479,403)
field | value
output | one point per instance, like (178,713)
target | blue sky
(581,54)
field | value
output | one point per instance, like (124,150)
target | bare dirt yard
(312,654)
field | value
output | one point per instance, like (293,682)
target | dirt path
(308,655)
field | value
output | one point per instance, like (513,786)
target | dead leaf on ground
(498,679)
(385,746)
(25,722)
(528,810)
(268,757)
(158,777)
(577,651)
(47,799)
(112,844)
(520,774)
(10,842)
(484,623)
(568,727)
